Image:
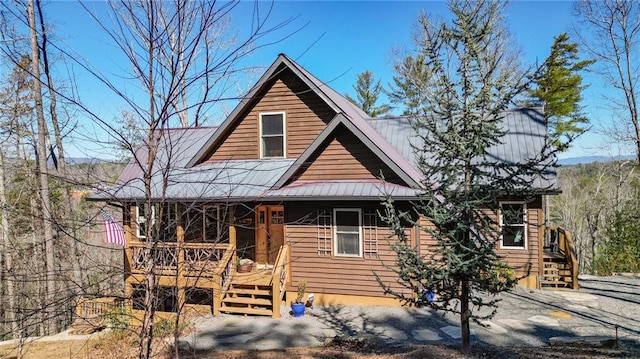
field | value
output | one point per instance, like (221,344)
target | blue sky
(337,41)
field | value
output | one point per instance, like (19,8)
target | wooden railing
(196,259)
(566,246)
(279,279)
(224,273)
(97,307)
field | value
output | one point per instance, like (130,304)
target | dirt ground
(111,348)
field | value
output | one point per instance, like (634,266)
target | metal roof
(177,146)
(222,180)
(390,139)
(341,190)
(523,142)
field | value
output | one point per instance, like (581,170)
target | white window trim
(526,225)
(284,133)
(138,223)
(335,233)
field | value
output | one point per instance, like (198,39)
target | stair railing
(279,279)
(566,246)
(222,277)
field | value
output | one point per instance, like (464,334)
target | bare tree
(45,203)
(182,54)
(609,32)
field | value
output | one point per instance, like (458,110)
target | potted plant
(244,265)
(297,307)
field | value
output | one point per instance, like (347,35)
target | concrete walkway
(524,317)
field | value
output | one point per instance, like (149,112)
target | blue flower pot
(297,309)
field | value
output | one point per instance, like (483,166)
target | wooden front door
(269,233)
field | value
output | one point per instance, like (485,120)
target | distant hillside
(79,160)
(592,159)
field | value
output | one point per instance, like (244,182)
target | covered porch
(196,263)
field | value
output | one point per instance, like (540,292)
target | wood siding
(345,157)
(526,261)
(522,260)
(305,112)
(329,274)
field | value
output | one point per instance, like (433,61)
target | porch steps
(556,273)
(247,299)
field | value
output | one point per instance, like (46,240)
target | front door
(269,233)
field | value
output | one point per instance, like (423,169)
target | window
(348,232)
(167,225)
(513,225)
(272,135)
(141,222)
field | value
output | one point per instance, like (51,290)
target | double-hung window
(347,232)
(272,135)
(513,224)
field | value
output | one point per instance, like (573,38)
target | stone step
(246,310)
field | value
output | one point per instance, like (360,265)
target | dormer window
(272,135)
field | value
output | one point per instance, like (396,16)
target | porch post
(217,296)
(542,232)
(232,227)
(180,278)
(127,218)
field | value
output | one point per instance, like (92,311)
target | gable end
(343,156)
(305,112)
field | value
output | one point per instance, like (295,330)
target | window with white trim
(141,221)
(272,135)
(347,224)
(513,225)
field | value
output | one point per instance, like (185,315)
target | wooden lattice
(370,234)
(324,233)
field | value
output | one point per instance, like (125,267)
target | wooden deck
(256,277)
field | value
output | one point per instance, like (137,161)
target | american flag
(114,233)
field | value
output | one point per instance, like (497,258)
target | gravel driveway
(525,318)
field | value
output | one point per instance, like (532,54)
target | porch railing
(98,307)
(279,279)
(560,240)
(196,259)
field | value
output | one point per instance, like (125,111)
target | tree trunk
(49,310)
(464,316)
(150,302)
(7,257)
(61,167)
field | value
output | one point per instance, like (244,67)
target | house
(292,180)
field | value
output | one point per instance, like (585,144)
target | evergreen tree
(620,250)
(411,74)
(367,94)
(558,87)
(470,77)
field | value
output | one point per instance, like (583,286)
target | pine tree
(468,79)
(411,74)
(367,95)
(558,87)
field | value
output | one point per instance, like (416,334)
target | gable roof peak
(337,102)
